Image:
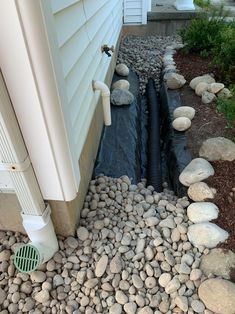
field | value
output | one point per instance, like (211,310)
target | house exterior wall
(75,31)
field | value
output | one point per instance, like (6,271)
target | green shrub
(227,107)
(203,3)
(204,33)
(224,54)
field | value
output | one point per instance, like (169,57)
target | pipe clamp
(15,167)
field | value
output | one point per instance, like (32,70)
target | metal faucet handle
(106,49)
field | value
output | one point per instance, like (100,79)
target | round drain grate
(27,258)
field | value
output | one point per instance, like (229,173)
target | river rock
(164,279)
(121,97)
(197,170)
(218,295)
(208,97)
(202,212)
(121,84)
(184,111)
(206,234)
(204,78)
(115,309)
(121,297)
(82,233)
(146,310)
(182,303)
(101,266)
(224,93)
(218,262)
(201,88)
(38,276)
(116,264)
(3,296)
(5,255)
(181,124)
(175,81)
(197,306)
(130,308)
(122,69)
(215,87)
(218,148)
(42,296)
(200,191)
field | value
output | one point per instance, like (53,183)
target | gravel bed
(144,56)
(131,255)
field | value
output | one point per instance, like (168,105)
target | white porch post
(184,5)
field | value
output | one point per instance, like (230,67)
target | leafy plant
(203,3)
(204,33)
(227,107)
(224,54)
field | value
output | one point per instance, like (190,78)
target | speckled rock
(215,87)
(200,191)
(218,148)
(208,97)
(121,97)
(184,111)
(122,69)
(204,78)
(121,84)
(224,93)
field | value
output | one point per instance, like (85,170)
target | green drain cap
(27,258)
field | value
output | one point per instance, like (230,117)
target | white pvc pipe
(105,94)
(41,233)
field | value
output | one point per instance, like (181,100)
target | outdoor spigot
(106,49)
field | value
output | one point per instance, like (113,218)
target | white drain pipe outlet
(184,5)
(105,94)
(41,232)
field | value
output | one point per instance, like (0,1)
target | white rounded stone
(202,212)
(217,148)
(208,97)
(82,233)
(197,170)
(175,81)
(101,266)
(121,84)
(181,124)
(200,191)
(204,78)
(206,234)
(201,88)
(215,87)
(164,279)
(184,111)
(122,69)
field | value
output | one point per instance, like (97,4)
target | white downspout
(105,94)
(14,159)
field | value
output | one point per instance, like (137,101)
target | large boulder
(206,234)
(175,81)
(219,262)
(218,295)
(122,69)
(181,124)
(200,191)
(204,78)
(218,148)
(197,170)
(202,212)
(184,111)
(120,97)
(121,84)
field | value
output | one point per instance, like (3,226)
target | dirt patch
(207,123)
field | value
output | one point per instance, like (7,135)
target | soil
(207,123)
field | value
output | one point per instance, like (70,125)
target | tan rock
(215,87)
(204,78)
(122,69)
(218,148)
(200,191)
(218,262)
(121,84)
(181,124)
(175,81)
(201,88)
(218,295)
(184,111)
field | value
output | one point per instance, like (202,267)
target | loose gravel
(131,255)
(144,56)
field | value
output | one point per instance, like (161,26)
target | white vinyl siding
(81,28)
(135,11)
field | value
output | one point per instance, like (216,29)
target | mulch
(207,123)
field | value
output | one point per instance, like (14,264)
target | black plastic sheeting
(154,173)
(174,144)
(123,146)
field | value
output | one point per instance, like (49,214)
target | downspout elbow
(105,94)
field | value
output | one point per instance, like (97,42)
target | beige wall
(65,215)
